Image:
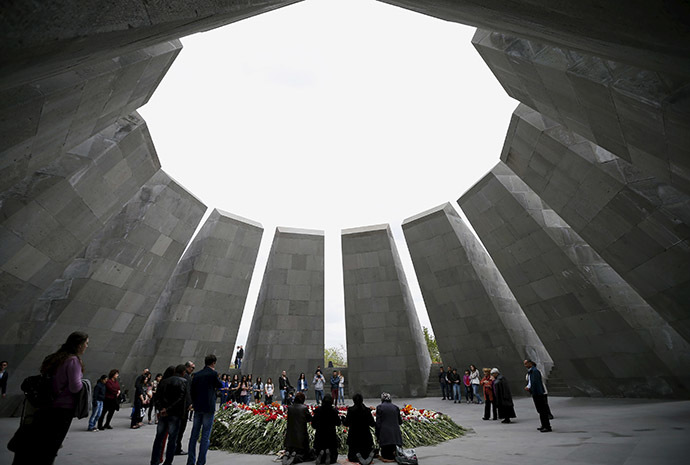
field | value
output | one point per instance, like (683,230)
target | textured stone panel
(51,216)
(475,317)
(637,223)
(110,290)
(593,324)
(61,34)
(644,33)
(640,115)
(287,330)
(385,344)
(199,311)
(43,119)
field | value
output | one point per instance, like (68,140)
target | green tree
(337,355)
(432,345)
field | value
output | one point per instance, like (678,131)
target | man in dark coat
(388,421)
(189,369)
(359,421)
(503,397)
(203,393)
(535,386)
(170,402)
(296,435)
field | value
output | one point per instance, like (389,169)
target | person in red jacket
(111,403)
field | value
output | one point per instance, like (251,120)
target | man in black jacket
(170,401)
(284,386)
(203,389)
(189,369)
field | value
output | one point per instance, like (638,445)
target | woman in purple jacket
(50,424)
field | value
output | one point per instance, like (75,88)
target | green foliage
(337,355)
(432,345)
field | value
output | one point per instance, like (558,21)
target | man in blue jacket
(535,386)
(204,386)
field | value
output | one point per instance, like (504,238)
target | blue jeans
(96,414)
(203,421)
(319,396)
(283,393)
(170,425)
(456,392)
(341,395)
(475,388)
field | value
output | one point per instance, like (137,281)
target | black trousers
(542,409)
(388,452)
(48,430)
(180,432)
(109,407)
(489,406)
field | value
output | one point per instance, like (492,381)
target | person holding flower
(325,420)
(359,441)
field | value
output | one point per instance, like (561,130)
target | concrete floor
(586,431)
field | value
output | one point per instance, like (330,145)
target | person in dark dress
(359,441)
(502,396)
(326,442)
(388,421)
(296,435)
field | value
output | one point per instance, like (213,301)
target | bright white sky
(329,114)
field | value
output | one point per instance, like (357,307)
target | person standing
(258,389)
(170,402)
(442,381)
(359,422)
(284,385)
(475,378)
(188,370)
(268,389)
(341,388)
(238,357)
(3,377)
(111,402)
(233,388)
(97,403)
(454,385)
(50,424)
(535,386)
(487,384)
(318,383)
(388,421)
(325,420)
(140,398)
(302,385)
(503,397)
(335,383)
(203,392)
(468,387)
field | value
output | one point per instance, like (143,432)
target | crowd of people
(177,395)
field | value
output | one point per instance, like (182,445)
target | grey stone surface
(475,317)
(43,118)
(637,223)
(50,217)
(112,287)
(61,34)
(589,319)
(200,309)
(385,344)
(586,431)
(641,115)
(287,330)
(651,35)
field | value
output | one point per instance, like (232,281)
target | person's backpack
(405,456)
(38,390)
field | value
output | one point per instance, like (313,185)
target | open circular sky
(329,114)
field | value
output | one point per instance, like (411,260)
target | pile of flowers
(260,428)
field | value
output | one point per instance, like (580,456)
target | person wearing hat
(502,396)
(388,421)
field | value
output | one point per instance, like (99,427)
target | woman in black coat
(296,436)
(325,420)
(388,421)
(503,397)
(359,441)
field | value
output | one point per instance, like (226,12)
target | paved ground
(586,431)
